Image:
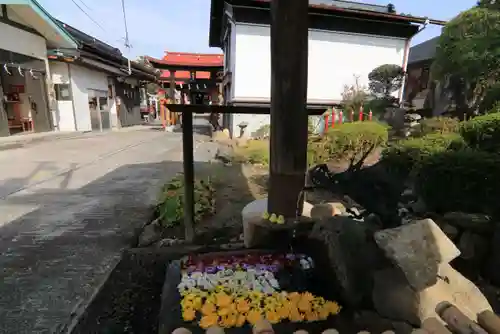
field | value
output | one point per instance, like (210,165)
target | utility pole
(288,143)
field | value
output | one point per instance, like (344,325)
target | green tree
(468,56)
(489,4)
(386,79)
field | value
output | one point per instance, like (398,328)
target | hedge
(465,180)
(347,141)
(439,125)
(483,132)
(403,156)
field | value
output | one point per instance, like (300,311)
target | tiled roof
(423,51)
(189,59)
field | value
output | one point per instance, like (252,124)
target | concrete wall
(335,59)
(75,115)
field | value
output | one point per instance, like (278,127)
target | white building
(26,31)
(95,88)
(346,40)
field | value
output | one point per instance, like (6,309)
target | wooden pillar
(288,146)
(171,94)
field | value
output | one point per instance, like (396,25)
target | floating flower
(208,321)
(281,220)
(242,305)
(273,317)
(265,215)
(273,218)
(208,308)
(222,300)
(188,314)
(254,316)
(241,320)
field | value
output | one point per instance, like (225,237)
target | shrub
(483,132)
(491,99)
(464,180)
(439,125)
(254,152)
(405,155)
(348,141)
(170,206)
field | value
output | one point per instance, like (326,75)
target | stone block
(255,227)
(327,210)
(417,249)
(394,298)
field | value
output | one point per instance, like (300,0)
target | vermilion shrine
(190,78)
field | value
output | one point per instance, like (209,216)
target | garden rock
(224,153)
(327,210)
(346,250)
(394,298)
(220,136)
(257,230)
(150,234)
(493,262)
(418,206)
(475,222)
(417,249)
(168,242)
(451,231)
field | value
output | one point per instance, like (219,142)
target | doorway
(99,108)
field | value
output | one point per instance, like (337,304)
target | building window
(424,78)
(63,92)
(227,49)
(103,103)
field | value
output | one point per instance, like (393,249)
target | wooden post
(171,94)
(188,167)
(288,146)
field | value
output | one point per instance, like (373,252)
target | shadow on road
(56,255)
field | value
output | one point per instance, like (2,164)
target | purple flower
(210,269)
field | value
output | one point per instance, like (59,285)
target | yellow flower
(188,314)
(223,311)
(332,307)
(242,306)
(272,317)
(265,215)
(254,316)
(283,312)
(295,315)
(229,321)
(273,218)
(208,308)
(281,220)
(208,321)
(308,296)
(311,316)
(323,313)
(223,300)
(197,303)
(294,297)
(304,305)
(241,320)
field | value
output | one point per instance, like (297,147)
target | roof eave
(51,21)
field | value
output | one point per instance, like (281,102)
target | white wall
(23,42)
(335,58)
(64,112)
(83,79)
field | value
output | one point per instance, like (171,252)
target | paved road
(67,210)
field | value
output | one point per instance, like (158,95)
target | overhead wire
(87,14)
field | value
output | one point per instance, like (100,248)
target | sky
(156,26)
